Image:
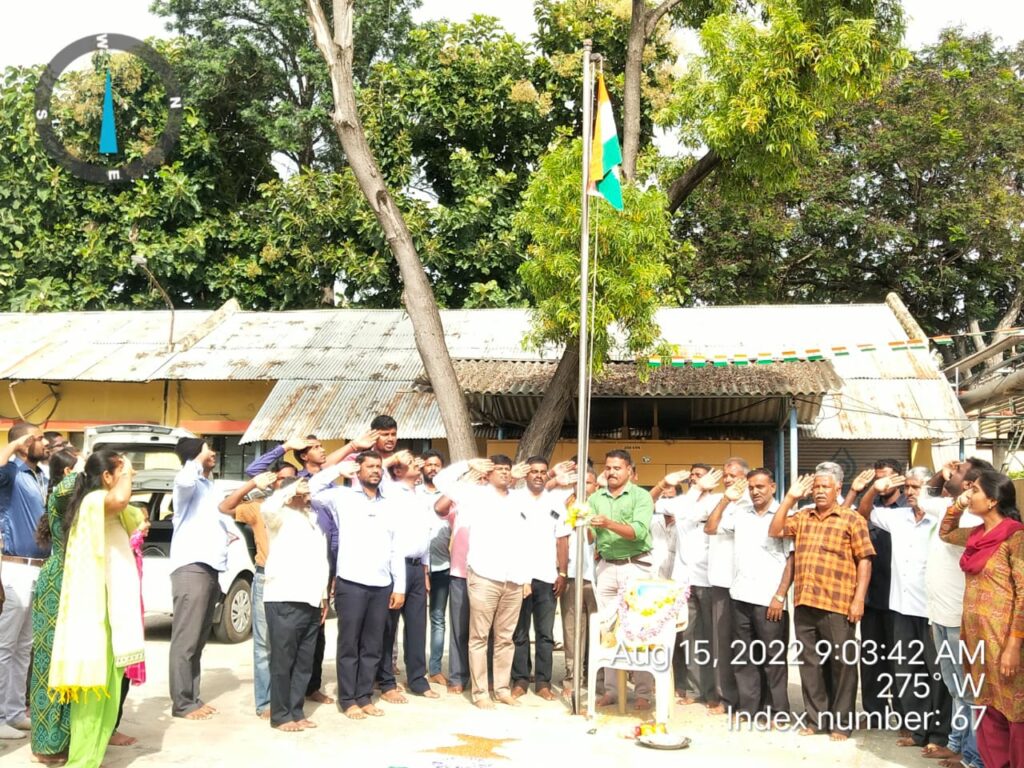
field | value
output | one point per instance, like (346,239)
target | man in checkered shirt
(832,568)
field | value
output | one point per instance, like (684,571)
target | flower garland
(635,621)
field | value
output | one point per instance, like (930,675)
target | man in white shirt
(693,670)
(663,534)
(370,576)
(199,552)
(764,571)
(498,576)
(548,574)
(413,524)
(944,591)
(295,598)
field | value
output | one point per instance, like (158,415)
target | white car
(151,450)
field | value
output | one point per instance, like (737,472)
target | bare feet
(198,714)
(838,736)
(606,700)
(547,695)
(716,709)
(455,688)
(936,751)
(289,727)
(372,711)
(264,715)
(483,704)
(685,699)
(439,679)
(355,713)
(428,694)
(49,759)
(567,691)
(641,705)
(306,723)
(904,741)
(510,701)
(394,697)
(118,739)
(807,732)
(518,691)
(320,698)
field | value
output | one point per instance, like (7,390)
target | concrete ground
(448,732)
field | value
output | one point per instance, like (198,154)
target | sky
(25,39)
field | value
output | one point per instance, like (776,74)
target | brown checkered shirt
(826,552)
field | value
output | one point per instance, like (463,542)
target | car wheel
(236,617)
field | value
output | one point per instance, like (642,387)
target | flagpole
(582,394)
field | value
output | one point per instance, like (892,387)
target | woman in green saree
(99,625)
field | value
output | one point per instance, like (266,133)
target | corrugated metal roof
(894,410)
(621,379)
(341,409)
(90,346)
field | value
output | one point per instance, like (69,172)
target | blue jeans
(961,737)
(438,605)
(260,647)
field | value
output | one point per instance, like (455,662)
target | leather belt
(23,560)
(635,559)
(414,561)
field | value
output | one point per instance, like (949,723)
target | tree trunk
(417,295)
(546,425)
(631,96)
(683,187)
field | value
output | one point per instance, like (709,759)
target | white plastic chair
(658,663)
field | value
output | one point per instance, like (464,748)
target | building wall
(205,407)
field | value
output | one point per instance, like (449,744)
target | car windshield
(145,456)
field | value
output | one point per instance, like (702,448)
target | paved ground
(448,732)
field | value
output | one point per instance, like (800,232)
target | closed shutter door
(851,455)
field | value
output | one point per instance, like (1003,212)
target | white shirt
(542,522)
(721,556)
(200,529)
(910,544)
(497,526)
(297,568)
(944,580)
(440,531)
(414,528)
(691,511)
(368,541)
(663,542)
(560,496)
(760,559)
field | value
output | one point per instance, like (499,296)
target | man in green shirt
(621,530)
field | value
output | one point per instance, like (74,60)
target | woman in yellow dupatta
(99,627)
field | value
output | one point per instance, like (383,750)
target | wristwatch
(563,575)
(780,598)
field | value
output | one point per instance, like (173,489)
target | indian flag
(605,154)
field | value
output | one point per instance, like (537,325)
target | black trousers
(362,614)
(194,591)
(721,646)
(760,663)
(125,685)
(292,629)
(458,635)
(918,681)
(692,664)
(829,685)
(316,679)
(539,608)
(414,636)
(876,668)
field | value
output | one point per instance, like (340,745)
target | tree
(336,46)
(919,191)
(630,276)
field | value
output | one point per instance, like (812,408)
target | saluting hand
(801,487)
(711,480)
(264,480)
(735,491)
(520,470)
(481,466)
(886,484)
(366,441)
(675,478)
(348,469)
(861,481)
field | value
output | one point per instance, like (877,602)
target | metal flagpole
(584,371)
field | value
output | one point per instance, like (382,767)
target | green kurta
(51,727)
